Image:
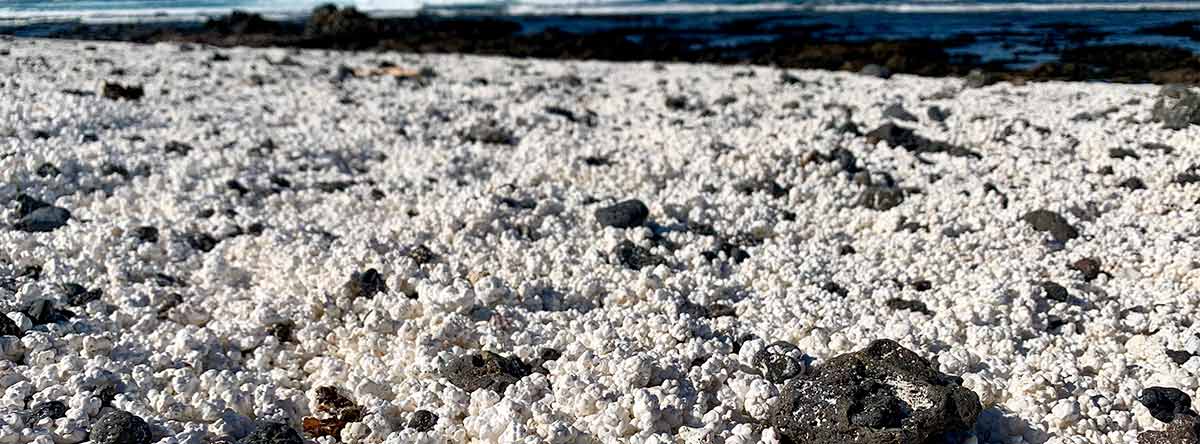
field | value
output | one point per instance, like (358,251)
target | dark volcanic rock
(937,114)
(883,394)
(881,198)
(1183,430)
(908,304)
(365,284)
(897,111)
(241,22)
(8,327)
(896,135)
(485,370)
(1132,184)
(43,220)
(627,214)
(329,21)
(489,133)
(43,311)
(273,433)
(121,427)
(422,421)
(77,295)
(635,257)
(1055,292)
(146,234)
(26,204)
(780,361)
(1090,267)
(49,409)
(1177,107)
(1054,223)
(1179,357)
(116,91)
(1166,403)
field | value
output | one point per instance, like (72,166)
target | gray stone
(43,220)
(1177,107)
(121,427)
(485,370)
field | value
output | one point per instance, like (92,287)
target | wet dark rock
(1054,223)
(881,198)
(1179,357)
(897,111)
(937,114)
(365,284)
(1090,267)
(898,136)
(77,295)
(423,421)
(273,433)
(175,147)
(780,361)
(121,427)
(1183,430)
(1177,107)
(908,304)
(8,327)
(116,91)
(1165,403)
(627,214)
(882,394)
(635,257)
(43,220)
(48,409)
(1123,153)
(489,133)
(485,370)
(1055,292)
(201,241)
(1132,184)
(834,288)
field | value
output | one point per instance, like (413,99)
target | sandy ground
(471,189)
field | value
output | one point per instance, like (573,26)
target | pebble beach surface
(264,246)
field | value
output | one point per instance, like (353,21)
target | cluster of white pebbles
(197,360)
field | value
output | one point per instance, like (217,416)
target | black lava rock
(421,255)
(1183,430)
(146,234)
(282,331)
(881,198)
(882,394)
(43,311)
(48,409)
(273,433)
(8,327)
(1123,153)
(121,427)
(846,250)
(770,187)
(834,288)
(897,111)
(1132,184)
(365,284)
(779,362)
(910,305)
(489,133)
(896,135)
(176,147)
(202,241)
(1049,221)
(43,220)
(1055,292)
(677,103)
(77,295)
(845,159)
(1165,403)
(1090,267)
(423,421)
(627,214)
(1179,357)
(485,370)
(937,114)
(26,204)
(116,91)
(922,285)
(635,257)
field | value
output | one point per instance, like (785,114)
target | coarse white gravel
(514,280)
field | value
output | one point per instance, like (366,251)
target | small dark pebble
(280,181)
(77,295)
(910,305)
(273,433)
(48,409)
(1179,357)
(834,288)
(846,250)
(1122,153)
(1090,267)
(175,147)
(1164,403)
(237,186)
(635,257)
(146,234)
(489,133)
(121,427)
(421,254)
(937,114)
(377,195)
(31,272)
(1049,221)
(282,331)
(627,214)
(47,170)
(116,91)
(365,284)
(678,103)
(256,228)
(43,312)
(206,213)
(897,111)
(201,241)
(922,285)
(596,161)
(721,310)
(1106,170)
(485,370)
(423,421)
(1055,292)
(777,363)
(1132,184)
(770,187)
(881,198)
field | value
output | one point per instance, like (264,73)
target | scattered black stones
(116,91)
(77,295)
(365,284)
(881,394)
(175,147)
(47,410)
(1090,267)
(1165,403)
(8,327)
(1054,223)
(201,241)
(121,427)
(1055,292)
(485,370)
(628,214)
(834,288)
(1179,357)
(273,433)
(731,251)
(422,421)
(489,133)
(1177,107)
(779,362)
(908,304)
(146,234)
(1132,184)
(896,135)
(881,198)
(897,111)
(635,257)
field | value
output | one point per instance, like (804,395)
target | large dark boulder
(883,394)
